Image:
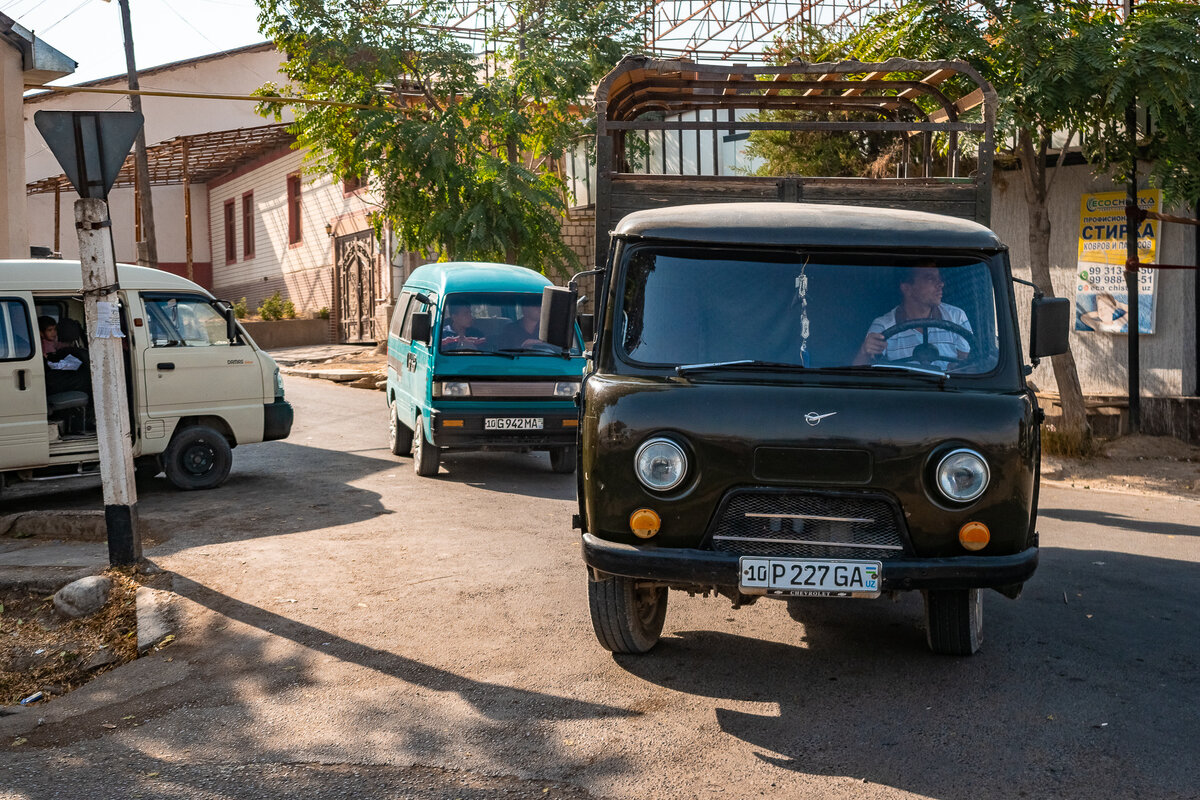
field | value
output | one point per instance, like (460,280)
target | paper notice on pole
(108,321)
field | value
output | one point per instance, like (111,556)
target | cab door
(413,368)
(190,367)
(24,430)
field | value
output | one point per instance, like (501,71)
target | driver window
(184,322)
(16,336)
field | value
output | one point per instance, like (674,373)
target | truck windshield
(501,323)
(681,308)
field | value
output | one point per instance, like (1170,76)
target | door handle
(166,365)
(21,380)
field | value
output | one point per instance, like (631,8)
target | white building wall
(1168,358)
(300,272)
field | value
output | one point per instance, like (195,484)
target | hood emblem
(813,418)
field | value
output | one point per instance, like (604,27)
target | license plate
(800,577)
(512,424)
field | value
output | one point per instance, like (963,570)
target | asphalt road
(356,631)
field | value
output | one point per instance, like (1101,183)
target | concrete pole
(100,304)
(145,203)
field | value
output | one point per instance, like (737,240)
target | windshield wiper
(748,364)
(862,368)
(475,351)
(513,352)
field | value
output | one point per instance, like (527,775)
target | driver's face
(926,286)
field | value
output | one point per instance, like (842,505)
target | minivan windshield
(500,323)
(714,310)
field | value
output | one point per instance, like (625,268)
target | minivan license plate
(512,424)
(796,577)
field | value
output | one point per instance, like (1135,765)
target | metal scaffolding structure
(701,30)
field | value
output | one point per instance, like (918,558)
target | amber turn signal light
(974,536)
(644,523)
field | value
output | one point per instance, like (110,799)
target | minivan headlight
(962,475)
(278,383)
(565,389)
(660,464)
(451,389)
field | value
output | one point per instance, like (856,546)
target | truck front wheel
(954,621)
(627,618)
(198,457)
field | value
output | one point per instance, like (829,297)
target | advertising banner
(1101,301)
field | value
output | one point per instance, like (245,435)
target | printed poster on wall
(1101,299)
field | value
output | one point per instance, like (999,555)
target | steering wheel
(925,353)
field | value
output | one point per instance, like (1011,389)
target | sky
(89,31)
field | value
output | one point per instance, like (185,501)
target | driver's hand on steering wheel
(874,344)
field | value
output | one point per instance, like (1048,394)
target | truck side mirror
(1049,321)
(558,317)
(587,326)
(422,324)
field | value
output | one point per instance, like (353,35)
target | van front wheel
(425,455)
(954,621)
(198,457)
(627,618)
(400,436)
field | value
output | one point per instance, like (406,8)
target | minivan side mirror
(558,316)
(422,324)
(1049,321)
(231,329)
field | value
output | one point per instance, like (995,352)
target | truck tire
(400,436)
(562,459)
(954,621)
(425,455)
(198,457)
(627,619)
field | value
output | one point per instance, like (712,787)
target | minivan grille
(808,525)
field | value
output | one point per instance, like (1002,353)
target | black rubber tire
(562,459)
(954,621)
(198,457)
(626,619)
(426,457)
(400,436)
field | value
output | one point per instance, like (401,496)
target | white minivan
(197,385)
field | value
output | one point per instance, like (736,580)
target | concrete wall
(1168,358)
(288,332)
(14,241)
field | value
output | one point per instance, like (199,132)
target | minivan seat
(70,332)
(69,406)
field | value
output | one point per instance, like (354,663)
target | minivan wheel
(425,455)
(627,618)
(562,459)
(954,621)
(198,457)
(400,436)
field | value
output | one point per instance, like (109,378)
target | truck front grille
(792,524)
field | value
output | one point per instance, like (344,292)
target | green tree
(464,148)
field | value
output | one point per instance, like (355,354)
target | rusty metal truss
(702,30)
(197,158)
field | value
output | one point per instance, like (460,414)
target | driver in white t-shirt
(921,290)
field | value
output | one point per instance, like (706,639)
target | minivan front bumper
(468,430)
(277,420)
(692,567)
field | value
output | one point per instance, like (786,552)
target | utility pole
(1132,273)
(146,206)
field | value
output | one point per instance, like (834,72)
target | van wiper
(476,351)
(748,365)
(513,352)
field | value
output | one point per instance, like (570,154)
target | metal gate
(358,283)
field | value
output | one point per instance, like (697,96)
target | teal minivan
(467,371)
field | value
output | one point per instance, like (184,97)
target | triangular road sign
(90,146)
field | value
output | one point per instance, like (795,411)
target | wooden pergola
(196,158)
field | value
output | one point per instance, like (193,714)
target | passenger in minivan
(921,298)
(66,367)
(460,331)
(524,332)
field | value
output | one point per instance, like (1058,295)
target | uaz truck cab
(795,399)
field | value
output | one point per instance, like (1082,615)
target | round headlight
(962,475)
(660,464)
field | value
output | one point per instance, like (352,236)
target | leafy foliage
(463,148)
(276,308)
(239,309)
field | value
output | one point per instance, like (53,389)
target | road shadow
(1077,692)
(275,488)
(1119,521)
(526,474)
